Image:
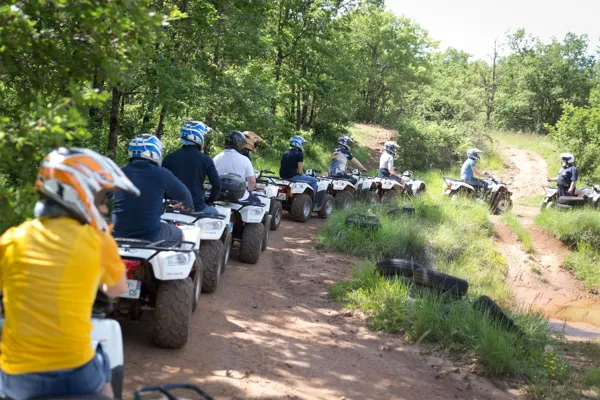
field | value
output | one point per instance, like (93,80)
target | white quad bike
(589,195)
(215,239)
(388,189)
(107,333)
(297,197)
(414,187)
(497,197)
(166,278)
(366,187)
(343,190)
(268,186)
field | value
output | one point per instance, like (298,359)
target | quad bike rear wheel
(266,230)
(173,312)
(198,281)
(390,195)
(502,204)
(372,198)
(328,206)
(276,210)
(251,243)
(211,252)
(301,209)
(227,243)
(343,200)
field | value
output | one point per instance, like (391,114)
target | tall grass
(515,225)
(580,229)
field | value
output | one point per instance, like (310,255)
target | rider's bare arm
(112,278)
(251,183)
(116,290)
(573,187)
(358,164)
(300,168)
(478,172)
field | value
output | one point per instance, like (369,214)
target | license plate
(281,196)
(448,191)
(134,287)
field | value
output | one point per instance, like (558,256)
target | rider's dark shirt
(289,163)
(567,175)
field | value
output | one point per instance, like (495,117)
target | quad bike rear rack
(127,243)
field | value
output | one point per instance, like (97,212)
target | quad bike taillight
(449,186)
(131,266)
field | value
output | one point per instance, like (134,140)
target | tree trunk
(311,118)
(298,110)
(123,105)
(113,130)
(95,116)
(161,122)
(305,100)
(278,63)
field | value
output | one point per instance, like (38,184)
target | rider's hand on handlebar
(179,206)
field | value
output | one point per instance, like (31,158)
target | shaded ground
(538,280)
(271,332)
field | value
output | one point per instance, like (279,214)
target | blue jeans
(311,180)
(90,378)
(208,210)
(477,184)
(169,233)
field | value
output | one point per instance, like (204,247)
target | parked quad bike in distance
(268,186)
(366,187)
(498,197)
(215,239)
(107,333)
(589,195)
(297,197)
(414,187)
(342,189)
(166,278)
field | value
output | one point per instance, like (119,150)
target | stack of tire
(570,202)
(423,280)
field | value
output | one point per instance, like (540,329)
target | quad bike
(414,187)
(267,185)
(586,196)
(591,193)
(297,197)
(107,333)
(498,197)
(215,239)
(342,189)
(167,278)
(388,189)
(366,187)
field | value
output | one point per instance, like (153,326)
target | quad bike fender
(107,332)
(343,185)
(213,229)
(390,184)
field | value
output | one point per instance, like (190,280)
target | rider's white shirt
(232,162)
(386,161)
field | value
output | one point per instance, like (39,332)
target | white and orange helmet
(79,180)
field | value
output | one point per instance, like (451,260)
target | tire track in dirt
(538,280)
(271,332)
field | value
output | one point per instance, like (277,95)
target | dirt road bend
(271,332)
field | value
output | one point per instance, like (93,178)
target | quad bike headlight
(255,211)
(178,259)
(212,226)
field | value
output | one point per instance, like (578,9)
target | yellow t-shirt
(50,269)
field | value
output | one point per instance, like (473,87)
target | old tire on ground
(372,198)
(301,208)
(172,313)
(397,267)
(197,282)
(276,210)
(251,243)
(266,230)
(227,243)
(328,206)
(434,279)
(343,200)
(571,201)
(211,252)
(487,306)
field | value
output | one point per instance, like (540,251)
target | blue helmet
(147,147)
(193,132)
(297,142)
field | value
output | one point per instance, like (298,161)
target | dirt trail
(271,332)
(538,280)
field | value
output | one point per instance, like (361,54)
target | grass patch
(515,225)
(584,264)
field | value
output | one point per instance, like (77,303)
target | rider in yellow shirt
(50,270)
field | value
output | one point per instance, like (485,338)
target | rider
(51,269)
(468,171)
(386,162)
(340,157)
(233,161)
(291,167)
(567,176)
(190,165)
(140,218)
(252,143)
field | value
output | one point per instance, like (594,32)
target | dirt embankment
(538,280)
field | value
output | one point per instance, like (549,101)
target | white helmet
(473,154)
(391,148)
(568,158)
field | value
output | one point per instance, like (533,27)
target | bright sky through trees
(472,25)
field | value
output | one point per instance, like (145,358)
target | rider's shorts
(88,379)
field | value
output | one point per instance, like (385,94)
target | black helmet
(235,140)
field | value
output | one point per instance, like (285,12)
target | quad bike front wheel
(343,200)
(328,206)
(390,195)
(276,210)
(372,198)
(198,281)
(227,243)
(211,252)
(251,243)
(301,208)
(266,229)
(502,204)
(173,312)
